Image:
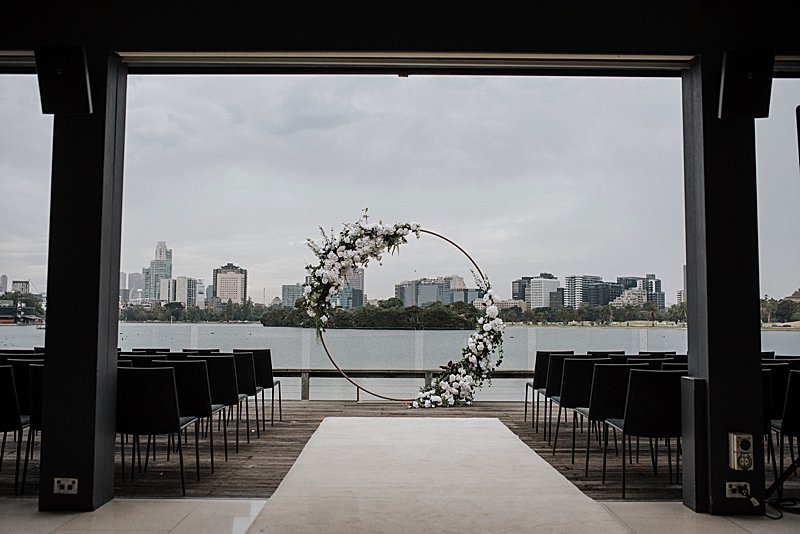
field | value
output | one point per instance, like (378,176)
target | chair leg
(211,447)
(272,407)
(623,463)
(780,469)
(197,448)
(558,424)
(3,450)
(122,454)
(246,417)
(280,401)
(669,459)
(535,419)
(28,453)
(525,414)
(771,454)
(588,445)
(605,450)
(224,432)
(263,411)
(19,451)
(255,403)
(238,418)
(180,456)
(549,420)
(574,428)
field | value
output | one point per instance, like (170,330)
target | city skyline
(526,174)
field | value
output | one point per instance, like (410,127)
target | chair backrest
(767,353)
(603,353)
(147,401)
(576,381)
(780,381)
(22,379)
(656,353)
(680,358)
(191,380)
(541,364)
(142,360)
(262,360)
(790,421)
(674,366)
(124,363)
(9,405)
(17,352)
(555,372)
(36,382)
(150,350)
(793,363)
(653,403)
(609,389)
(201,352)
(245,372)
(652,363)
(221,378)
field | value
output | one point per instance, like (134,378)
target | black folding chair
(262,359)
(538,384)
(11,420)
(606,400)
(576,389)
(147,404)
(224,389)
(652,410)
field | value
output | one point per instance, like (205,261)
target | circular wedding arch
(457,381)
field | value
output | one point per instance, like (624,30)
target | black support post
(722,295)
(83,292)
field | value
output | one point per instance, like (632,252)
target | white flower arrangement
(354,247)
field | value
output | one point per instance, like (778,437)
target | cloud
(566,175)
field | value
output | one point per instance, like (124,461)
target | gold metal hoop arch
(353,382)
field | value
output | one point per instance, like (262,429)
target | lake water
(392,349)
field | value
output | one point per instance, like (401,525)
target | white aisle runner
(425,474)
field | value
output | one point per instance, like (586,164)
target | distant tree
(392,302)
(784,311)
(511,315)
(566,314)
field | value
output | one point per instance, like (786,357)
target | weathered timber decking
(259,467)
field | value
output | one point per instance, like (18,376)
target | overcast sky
(564,175)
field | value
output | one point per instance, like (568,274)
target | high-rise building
(446,289)
(123,280)
(166,290)
(135,285)
(681,297)
(3,283)
(160,268)
(349,297)
(290,294)
(230,284)
(186,291)
(200,295)
(654,293)
(576,290)
(519,286)
(537,294)
(354,278)
(601,293)
(21,286)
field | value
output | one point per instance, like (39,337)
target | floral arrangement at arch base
(354,247)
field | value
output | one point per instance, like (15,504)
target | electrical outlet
(65,486)
(737,490)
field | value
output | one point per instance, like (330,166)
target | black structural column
(83,293)
(722,295)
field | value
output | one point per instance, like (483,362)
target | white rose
(306,290)
(487,327)
(311,313)
(492,311)
(415,404)
(427,404)
(324,319)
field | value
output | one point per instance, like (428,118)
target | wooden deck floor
(259,467)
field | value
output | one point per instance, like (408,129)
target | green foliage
(175,311)
(459,316)
(26,299)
